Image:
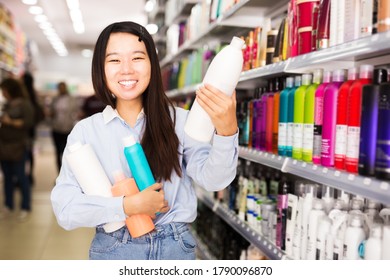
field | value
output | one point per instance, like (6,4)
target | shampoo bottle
(299,110)
(369,123)
(329,121)
(137,225)
(308,118)
(373,245)
(353,117)
(318,116)
(138,163)
(341,122)
(315,216)
(290,116)
(385,214)
(354,236)
(283,113)
(307,206)
(382,158)
(228,61)
(90,174)
(323,25)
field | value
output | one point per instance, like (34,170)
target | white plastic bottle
(373,245)
(327,198)
(385,214)
(323,230)
(315,217)
(223,73)
(311,193)
(354,236)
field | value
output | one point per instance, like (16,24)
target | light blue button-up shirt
(212,167)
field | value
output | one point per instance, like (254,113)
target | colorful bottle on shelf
(323,25)
(283,117)
(138,163)
(290,116)
(230,62)
(308,118)
(263,117)
(382,158)
(137,225)
(269,118)
(353,118)
(318,116)
(329,118)
(341,122)
(369,123)
(275,117)
(299,110)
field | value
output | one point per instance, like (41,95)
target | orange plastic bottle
(137,225)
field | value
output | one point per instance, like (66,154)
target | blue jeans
(171,241)
(16,169)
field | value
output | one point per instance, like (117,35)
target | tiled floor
(40,237)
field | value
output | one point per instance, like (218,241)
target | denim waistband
(160,231)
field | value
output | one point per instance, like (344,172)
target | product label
(319,105)
(298,136)
(353,140)
(341,141)
(308,138)
(282,136)
(290,134)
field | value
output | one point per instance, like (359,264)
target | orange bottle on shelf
(137,225)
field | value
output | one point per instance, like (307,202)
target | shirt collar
(110,113)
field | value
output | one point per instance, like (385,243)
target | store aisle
(40,237)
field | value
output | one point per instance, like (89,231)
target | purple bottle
(369,123)
(329,118)
(256,121)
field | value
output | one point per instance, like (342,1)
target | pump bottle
(223,73)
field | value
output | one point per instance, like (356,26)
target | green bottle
(299,107)
(308,118)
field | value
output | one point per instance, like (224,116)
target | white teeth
(127,83)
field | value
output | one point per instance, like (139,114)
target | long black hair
(159,141)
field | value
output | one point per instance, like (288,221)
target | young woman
(126,76)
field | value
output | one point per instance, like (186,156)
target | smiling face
(127,67)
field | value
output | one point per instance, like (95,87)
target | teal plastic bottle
(283,112)
(290,116)
(299,109)
(138,163)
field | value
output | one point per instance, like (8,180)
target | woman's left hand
(220,107)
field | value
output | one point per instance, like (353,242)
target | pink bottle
(318,115)
(329,118)
(292,17)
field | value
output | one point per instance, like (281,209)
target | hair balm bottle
(137,225)
(90,174)
(283,112)
(228,61)
(138,163)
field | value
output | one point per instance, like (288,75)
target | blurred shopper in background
(64,115)
(17,119)
(91,105)
(39,116)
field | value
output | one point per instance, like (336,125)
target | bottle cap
(237,43)
(297,81)
(338,75)
(306,79)
(289,82)
(365,71)
(352,74)
(129,141)
(356,220)
(318,204)
(327,76)
(317,76)
(74,147)
(380,76)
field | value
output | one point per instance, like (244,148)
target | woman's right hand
(150,201)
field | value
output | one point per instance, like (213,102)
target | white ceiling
(96,14)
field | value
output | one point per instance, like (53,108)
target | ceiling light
(40,18)
(149,6)
(87,53)
(35,10)
(30,2)
(152,28)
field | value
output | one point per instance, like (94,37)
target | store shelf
(182,11)
(236,21)
(203,251)
(352,183)
(267,247)
(182,91)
